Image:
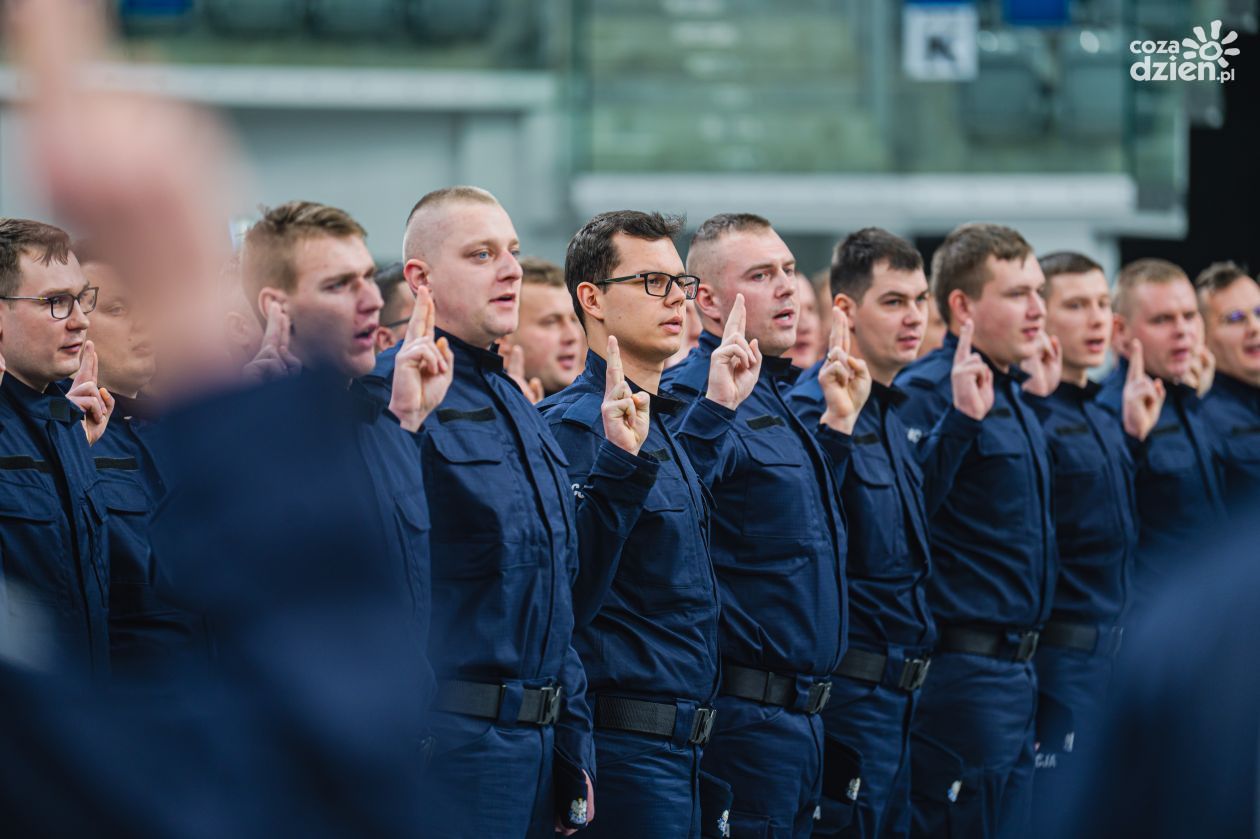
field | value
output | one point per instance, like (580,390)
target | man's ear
(416,272)
(591,299)
(960,309)
(709,302)
(1120,335)
(268,295)
(382,339)
(847,305)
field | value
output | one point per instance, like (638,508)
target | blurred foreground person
(514,751)
(547,349)
(1229,302)
(398,300)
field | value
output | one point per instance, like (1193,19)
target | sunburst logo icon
(1210,49)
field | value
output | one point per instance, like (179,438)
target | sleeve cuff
(707,420)
(957,424)
(836,444)
(611,461)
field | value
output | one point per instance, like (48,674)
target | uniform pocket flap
(466,447)
(26,501)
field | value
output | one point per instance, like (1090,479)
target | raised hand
(94,401)
(845,380)
(1202,371)
(1045,367)
(1143,396)
(273,360)
(736,363)
(515,368)
(423,368)
(971,378)
(625,414)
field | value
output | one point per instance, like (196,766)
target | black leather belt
(994,643)
(1086,637)
(539,706)
(872,667)
(646,717)
(771,688)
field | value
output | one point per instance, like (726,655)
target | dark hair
(592,254)
(960,262)
(536,271)
(1064,262)
(18,236)
(388,280)
(854,260)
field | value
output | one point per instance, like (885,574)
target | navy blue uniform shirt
(882,493)
(144,631)
(54,555)
(778,530)
(993,547)
(1177,486)
(503,542)
(1095,512)
(645,601)
(1232,410)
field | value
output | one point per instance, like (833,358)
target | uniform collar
(596,373)
(1015,374)
(887,396)
(52,404)
(1078,393)
(1180,391)
(364,405)
(140,408)
(1236,388)
(773,368)
(486,359)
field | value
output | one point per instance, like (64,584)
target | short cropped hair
(438,198)
(592,253)
(1064,262)
(535,271)
(854,260)
(960,263)
(42,242)
(1142,272)
(389,282)
(1219,276)
(267,253)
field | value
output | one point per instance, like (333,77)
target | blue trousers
(971,748)
(866,776)
(772,758)
(1073,691)
(487,779)
(647,787)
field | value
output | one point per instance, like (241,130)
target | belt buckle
(913,674)
(702,726)
(1027,645)
(549,704)
(819,694)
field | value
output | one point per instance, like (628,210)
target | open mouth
(366,335)
(1095,345)
(673,326)
(1031,333)
(72,348)
(1251,350)
(508,299)
(785,317)
(567,361)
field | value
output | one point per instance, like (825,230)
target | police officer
(145,633)
(778,531)
(992,541)
(645,600)
(880,295)
(1229,303)
(1177,482)
(1095,518)
(56,558)
(503,544)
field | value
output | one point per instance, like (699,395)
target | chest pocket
(1171,457)
(468,475)
(411,516)
(877,520)
(126,519)
(31,529)
(997,483)
(778,486)
(666,566)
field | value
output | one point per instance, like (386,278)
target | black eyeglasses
(61,305)
(659,284)
(397,323)
(1239,315)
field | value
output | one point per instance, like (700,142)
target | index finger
(420,324)
(271,334)
(964,342)
(615,373)
(736,321)
(1137,365)
(87,363)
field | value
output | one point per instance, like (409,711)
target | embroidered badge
(914,435)
(854,786)
(724,823)
(577,811)
(954,789)
(1069,740)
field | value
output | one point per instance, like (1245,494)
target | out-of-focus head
(740,253)
(1154,302)
(41,340)
(1078,310)
(549,333)
(934,334)
(810,339)
(877,279)
(461,244)
(312,260)
(645,311)
(987,273)
(1229,301)
(242,328)
(820,280)
(400,301)
(120,330)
